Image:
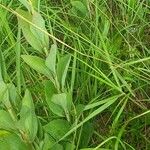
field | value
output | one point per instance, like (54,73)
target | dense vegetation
(74,74)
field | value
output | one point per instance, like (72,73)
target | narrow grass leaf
(93,114)
(96,104)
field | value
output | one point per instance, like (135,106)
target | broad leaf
(80,8)
(13,96)
(33,28)
(6,121)
(26,4)
(51,59)
(29,4)
(37,64)
(87,132)
(50,144)
(62,100)
(50,90)
(25,26)
(3,91)
(4,133)
(39,32)
(12,142)
(28,121)
(79,109)
(34,3)
(3,70)
(69,146)
(57,128)
(62,68)
(4,95)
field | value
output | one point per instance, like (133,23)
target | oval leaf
(25,26)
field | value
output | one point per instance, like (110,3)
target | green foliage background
(74,74)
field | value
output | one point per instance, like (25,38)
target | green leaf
(79,109)
(33,28)
(3,91)
(90,116)
(13,96)
(57,128)
(50,90)
(4,133)
(87,131)
(34,3)
(50,144)
(25,26)
(37,64)
(62,68)
(12,142)
(6,122)
(3,70)
(28,121)
(69,146)
(62,100)
(80,8)
(29,4)
(4,94)
(51,59)
(38,20)
(26,4)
